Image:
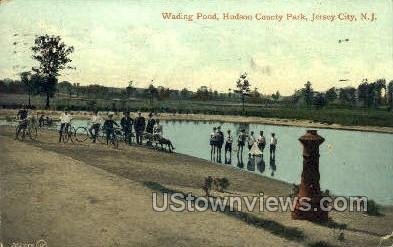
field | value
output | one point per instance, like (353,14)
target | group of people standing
(127,125)
(256,145)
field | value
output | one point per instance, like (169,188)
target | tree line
(53,56)
(368,94)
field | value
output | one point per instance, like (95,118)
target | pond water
(352,163)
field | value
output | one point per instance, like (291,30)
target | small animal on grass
(219,184)
(158,140)
(163,141)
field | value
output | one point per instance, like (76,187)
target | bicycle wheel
(23,133)
(115,141)
(81,134)
(65,136)
(72,134)
(16,132)
(32,133)
(101,136)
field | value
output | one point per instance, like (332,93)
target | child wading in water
(261,141)
(228,147)
(241,140)
(213,140)
(273,144)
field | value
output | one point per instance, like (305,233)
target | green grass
(329,115)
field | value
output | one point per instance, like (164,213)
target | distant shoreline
(4,113)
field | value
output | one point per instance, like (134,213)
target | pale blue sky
(118,41)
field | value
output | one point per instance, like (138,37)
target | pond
(352,163)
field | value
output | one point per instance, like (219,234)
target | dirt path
(92,195)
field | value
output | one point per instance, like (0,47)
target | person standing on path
(139,126)
(150,123)
(95,125)
(126,126)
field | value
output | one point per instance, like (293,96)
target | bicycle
(68,133)
(30,130)
(115,136)
(83,133)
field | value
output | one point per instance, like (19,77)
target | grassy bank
(350,116)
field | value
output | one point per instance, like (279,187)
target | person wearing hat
(139,126)
(109,126)
(261,141)
(241,139)
(126,125)
(150,123)
(95,125)
(22,117)
(213,142)
(273,144)
(228,146)
(220,142)
(65,120)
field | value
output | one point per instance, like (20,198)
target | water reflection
(251,163)
(273,165)
(261,165)
(240,162)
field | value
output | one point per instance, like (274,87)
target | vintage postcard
(196,123)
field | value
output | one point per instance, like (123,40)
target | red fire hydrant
(309,190)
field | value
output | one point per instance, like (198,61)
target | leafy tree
(130,89)
(319,100)
(202,93)
(331,95)
(363,92)
(308,93)
(276,96)
(390,94)
(53,56)
(185,93)
(379,85)
(347,95)
(25,78)
(152,93)
(243,89)
(370,94)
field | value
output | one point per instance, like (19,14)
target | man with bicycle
(95,125)
(126,126)
(109,127)
(65,120)
(22,117)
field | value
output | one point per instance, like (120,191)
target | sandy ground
(93,195)
(4,113)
